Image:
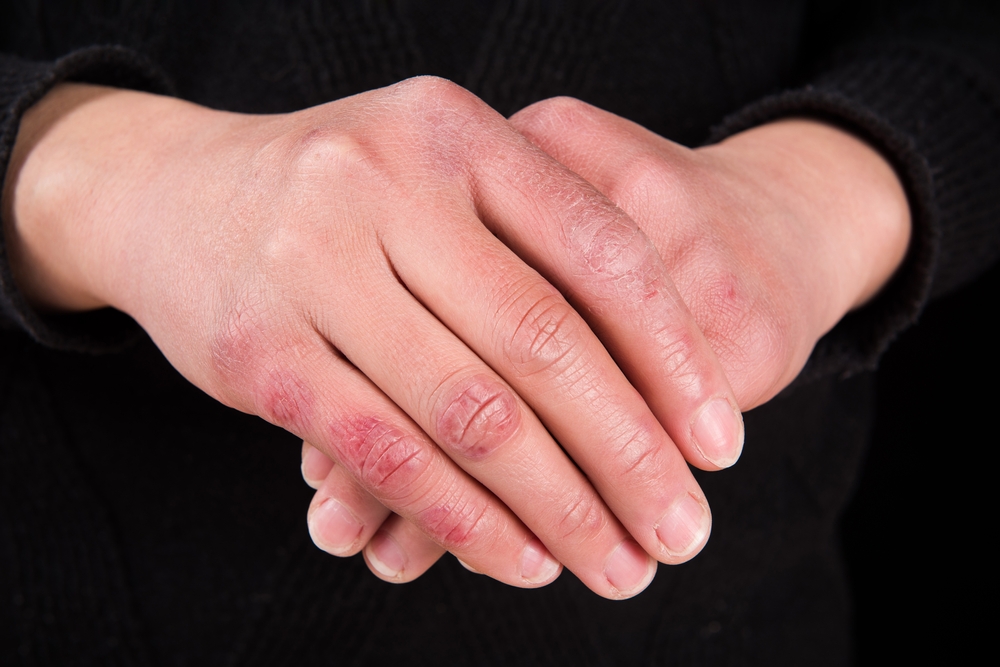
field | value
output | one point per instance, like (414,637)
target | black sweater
(142,523)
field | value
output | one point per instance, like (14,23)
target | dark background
(917,534)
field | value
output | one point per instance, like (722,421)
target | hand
(338,272)
(771,237)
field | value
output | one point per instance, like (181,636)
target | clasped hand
(492,352)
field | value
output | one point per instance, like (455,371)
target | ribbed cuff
(22,84)
(935,116)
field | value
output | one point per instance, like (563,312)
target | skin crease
(770,236)
(281,263)
(252,345)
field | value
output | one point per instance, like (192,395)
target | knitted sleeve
(22,84)
(920,86)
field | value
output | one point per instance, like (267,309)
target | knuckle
(638,455)
(565,113)
(478,416)
(680,356)
(741,323)
(456,523)
(248,371)
(643,183)
(440,101)
(582,518)
(547,334)
(384,458)
(618,257)
(321,151)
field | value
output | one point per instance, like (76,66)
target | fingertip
(334,528)
(538,566)
(628,570)
(385,558)
(315,465)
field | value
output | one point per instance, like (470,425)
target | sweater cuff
(22,84)
(934,116)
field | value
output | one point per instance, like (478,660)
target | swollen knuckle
(582,518)
(478,415)
(387,460)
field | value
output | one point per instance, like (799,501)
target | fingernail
(385,555)
(537,564)
(629,569)
(684,527)
(718,432)
(334,528)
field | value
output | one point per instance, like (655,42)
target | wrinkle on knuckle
(582,518)
(386,459)
(479,416)
(638,455)
(546,337)
(617,258)
(680,357)
(456,522)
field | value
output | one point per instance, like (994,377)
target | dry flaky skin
(398,278)
(771,237)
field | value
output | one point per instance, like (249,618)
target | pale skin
(770,237)
(396,278)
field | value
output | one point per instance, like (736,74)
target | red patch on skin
(286,401)
(386,459)
(454,527)
(481,415)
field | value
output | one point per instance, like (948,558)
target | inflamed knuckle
(244,344)
(384,458)
(620,260)
(456,524)
(582,518)
(478,416)
(546,337)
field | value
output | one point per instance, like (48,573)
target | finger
(400,552)
(308,390)
(490,432)
(315,465)
(343,516)
(606,266)
(412,551)
(530,335)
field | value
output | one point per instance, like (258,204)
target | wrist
(846,200)
(79,176)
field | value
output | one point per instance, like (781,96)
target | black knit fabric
(143,523)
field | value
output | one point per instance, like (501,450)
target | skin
(770,237)
(486,345)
